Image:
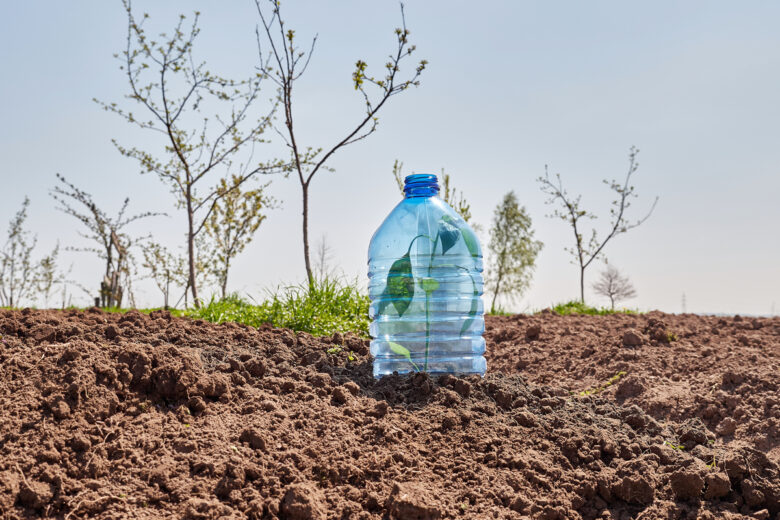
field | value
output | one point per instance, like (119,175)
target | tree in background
(232,225)
(614,286)
(513,251)
(49,275)
(571,212)
(448,193)
(322,268)
(286,63)
(19,272)
(172,89)
(113,244)
(167,269)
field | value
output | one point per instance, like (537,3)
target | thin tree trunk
(612,302)
(495,295)
(306,234)
(11,289)
(167,287)
(224,279)
(109,260)
(582,285)
(191,249)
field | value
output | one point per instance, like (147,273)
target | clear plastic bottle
(425,285)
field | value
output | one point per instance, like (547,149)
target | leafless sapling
(614,286)
(166,270)
(172,89)
(49,275)
(113,245)
(286,63)
(570,211)
(322,267)
(20,273)
(17,269)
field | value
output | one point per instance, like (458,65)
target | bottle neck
(421,185)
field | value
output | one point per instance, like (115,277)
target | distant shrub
(577,307)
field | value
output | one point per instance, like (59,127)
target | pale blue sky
(511,86)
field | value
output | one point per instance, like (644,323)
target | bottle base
(452,365)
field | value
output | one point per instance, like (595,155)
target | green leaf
(402,351)
(471,241)
(429,284)
(448,233)
(400,286)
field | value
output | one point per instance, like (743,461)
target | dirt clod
(533,331)
(726,427)
(302,502)
(34,494)
(718,485)
(254,438)
(686,484)
(632,338)
(412,501)
(112,332)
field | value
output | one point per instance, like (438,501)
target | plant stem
(427,329)
(427,305)
(409,250)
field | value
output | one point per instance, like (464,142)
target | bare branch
(571,213)
(167,82)
(291,62)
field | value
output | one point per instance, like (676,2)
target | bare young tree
(513,251)
(165,269)
(168,270)
(232,225)
(17,268)
(20,273)
(49,275)
(113,245)
(322,267)
(570,211)
(614,286)
(448,193)
(286,63)
(171,88)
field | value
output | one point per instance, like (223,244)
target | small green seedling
(670,337)
(403,351)
(714,464)
(334,350)
(351,356)
(678,447)
(611,381)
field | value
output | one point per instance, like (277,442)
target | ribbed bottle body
(425,286)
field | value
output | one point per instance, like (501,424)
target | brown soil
(156,417)
(724,371)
